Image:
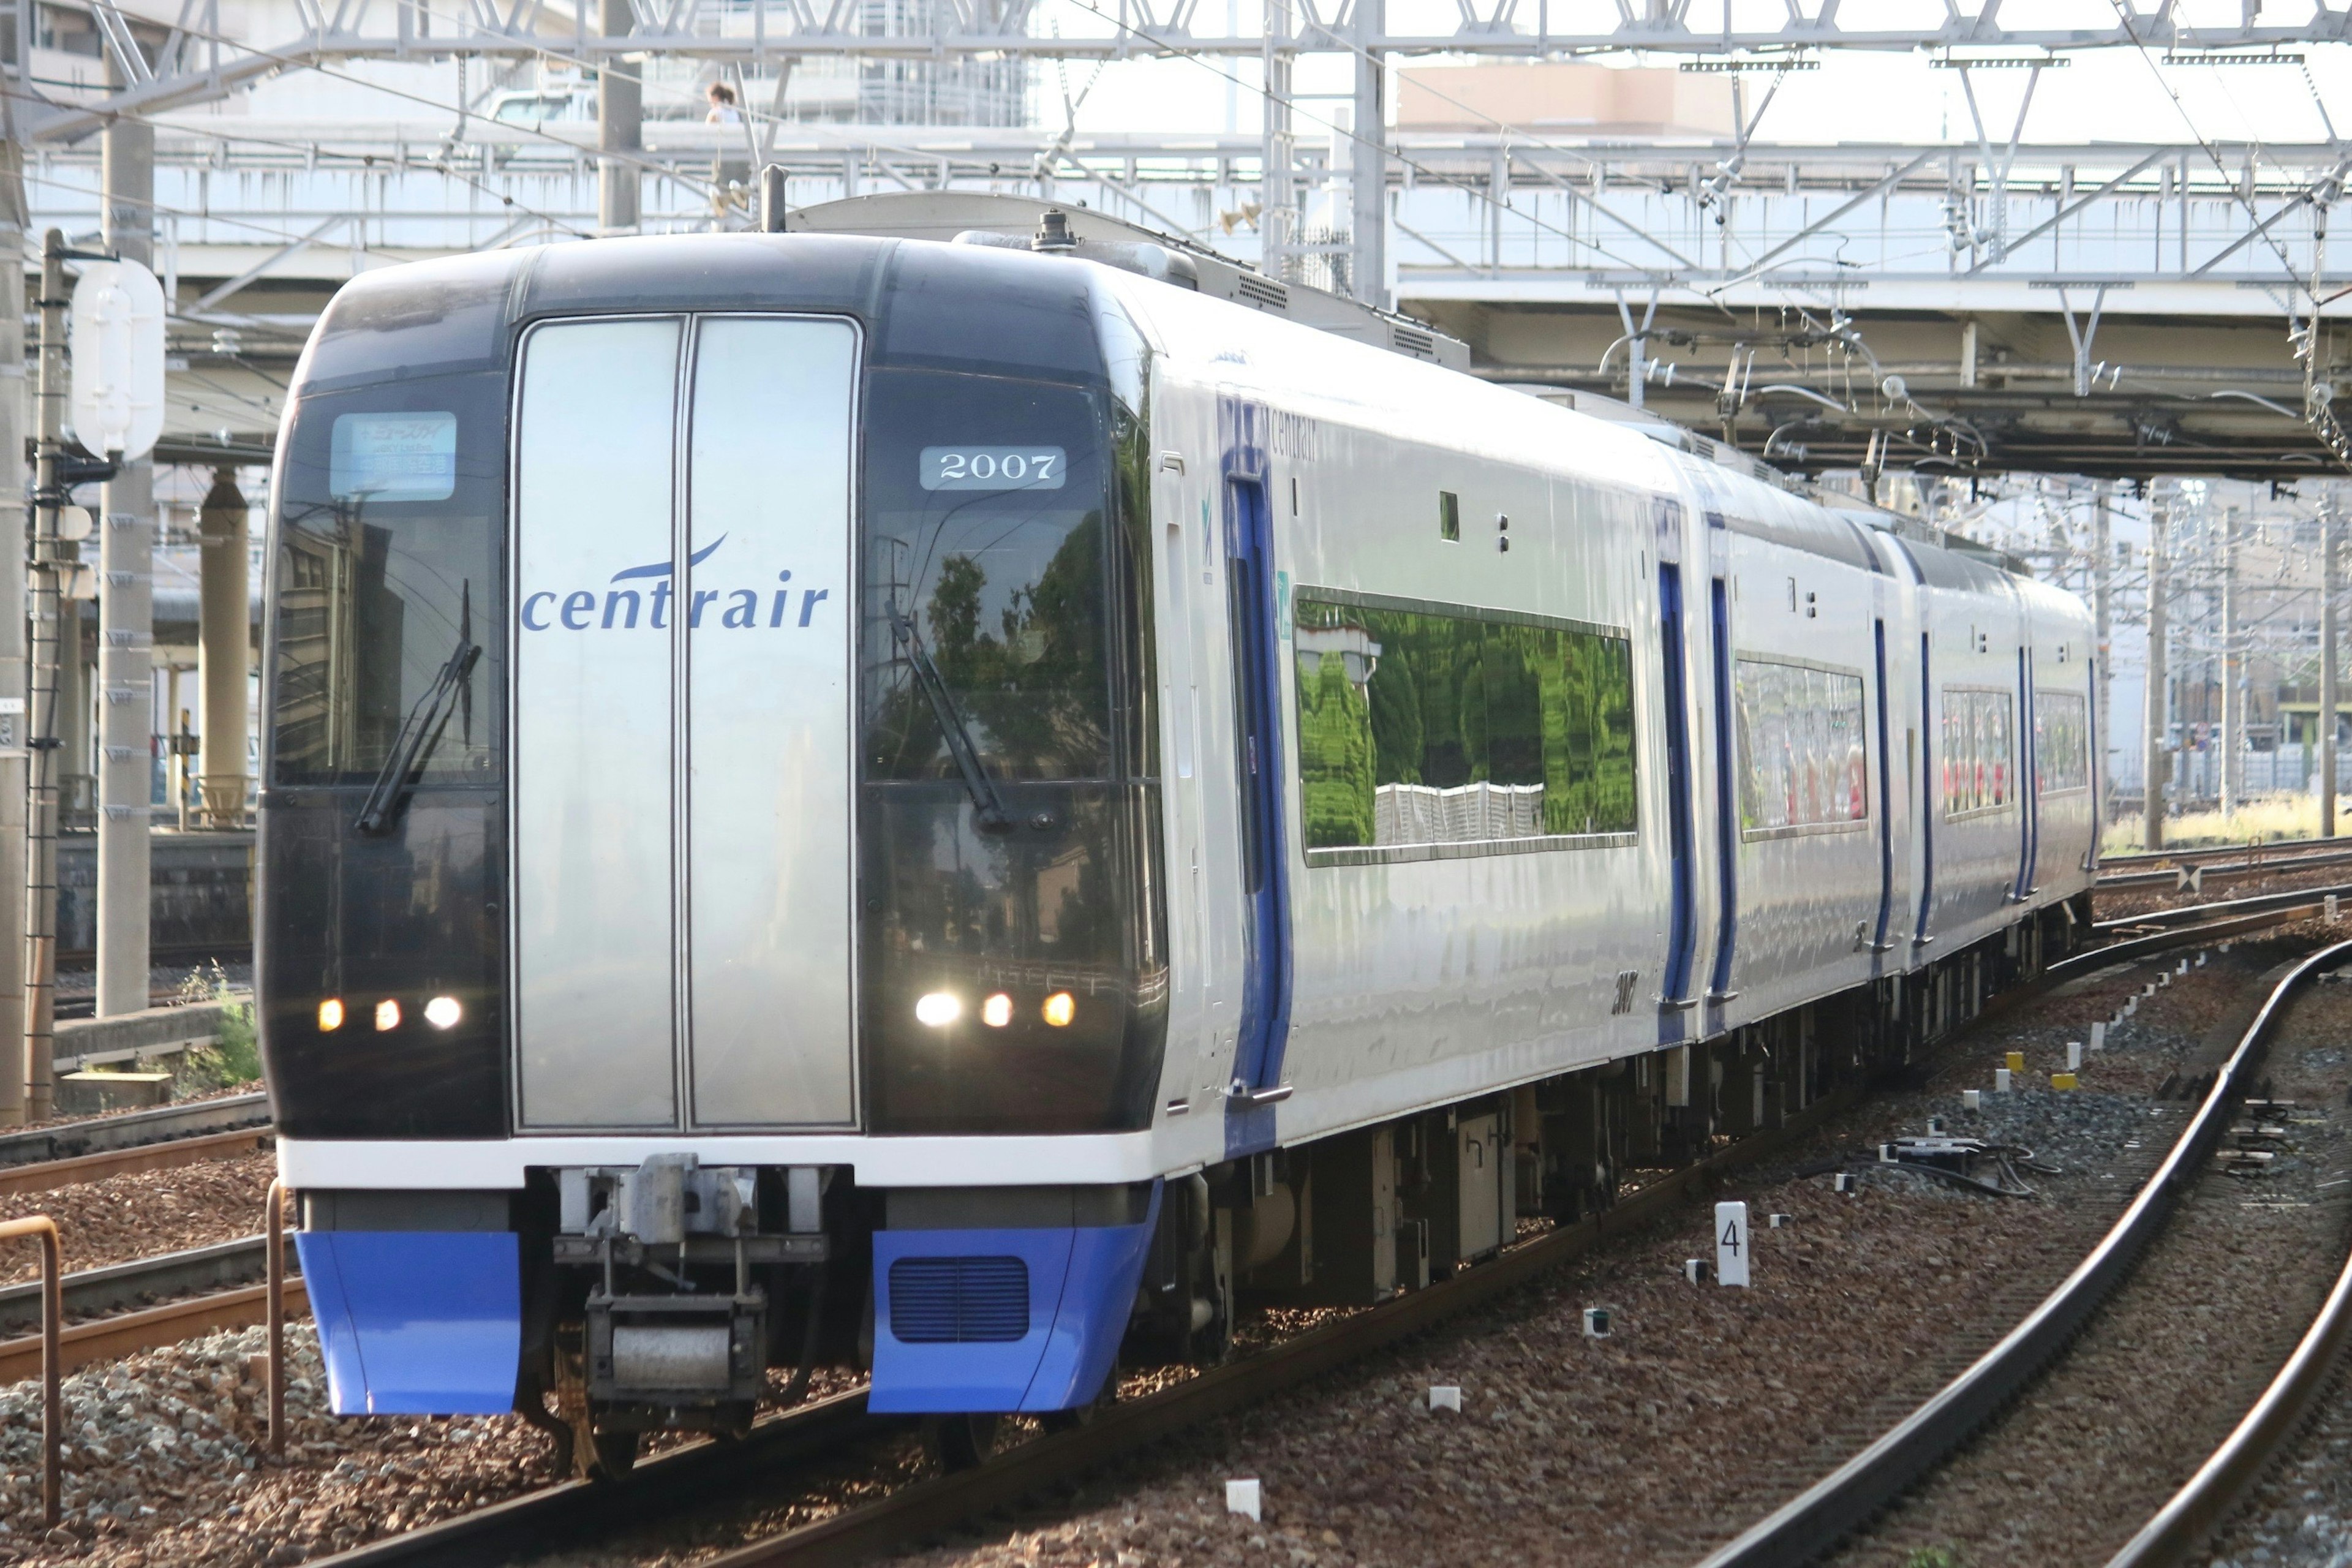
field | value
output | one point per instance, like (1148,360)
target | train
(972,797)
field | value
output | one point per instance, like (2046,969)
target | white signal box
(117,326)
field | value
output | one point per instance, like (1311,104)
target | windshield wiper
(987,807)
(421,730)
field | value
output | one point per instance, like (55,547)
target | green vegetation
(232,1059)
(2270,819)
(1936,1557)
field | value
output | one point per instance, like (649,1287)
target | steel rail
(2216,851)
(104,1338)
(133,1129)
(2285,865)
(50,1175)
(2293,899)
(114,1287)
(2247,1452)
(1811,1523)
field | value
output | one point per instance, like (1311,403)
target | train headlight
(1059,1009)
(938,1008)
(331,1015)
(997,1011)
(387,1014)
(443,1012)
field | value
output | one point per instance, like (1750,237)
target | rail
(2247,1452)
(2289,901)
(133,1129)
(1808,1524)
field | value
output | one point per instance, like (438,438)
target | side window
(2062,742)
(1978,753)
(1804,766)
(1425,726)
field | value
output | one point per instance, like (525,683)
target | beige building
(1565,100)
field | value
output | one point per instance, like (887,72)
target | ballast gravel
(1704,1406)
(165,1463)
(144,1213)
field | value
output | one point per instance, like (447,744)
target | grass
(235,1057)
(1935,1557)
(2270,819)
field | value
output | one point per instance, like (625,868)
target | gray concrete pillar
(126,618)
(2330,587)
(620,128)
(13,524)
(221,654)
(1369,164)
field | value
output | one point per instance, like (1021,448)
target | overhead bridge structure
(1982,305)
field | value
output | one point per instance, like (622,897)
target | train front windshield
(584,748)
(1008,815)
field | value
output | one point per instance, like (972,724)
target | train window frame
(2009,800)
(1744,741)
(2042,698)
(1539,843)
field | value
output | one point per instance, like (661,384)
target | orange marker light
(997,1011)
(331,1015)
(1060,1009)
(387,1014)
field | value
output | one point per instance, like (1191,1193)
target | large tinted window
(389,505)
(1804,767)
(986,508)
(1431,725)
(2062,742)
(1978,751)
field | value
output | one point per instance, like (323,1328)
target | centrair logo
(624,609)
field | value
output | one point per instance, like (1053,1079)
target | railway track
(1809,1525)
(785,1443)
(47,1158)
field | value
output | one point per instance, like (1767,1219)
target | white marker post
(1731,1244)
(2099,1035)
(2073,1055)
(1246,1498)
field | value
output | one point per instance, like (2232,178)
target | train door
(1252,587)
(1878,942)
(1930,758)
(2028,779)
(681,907)
(1727,801)
(1681,934)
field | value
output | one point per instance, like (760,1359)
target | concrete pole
(222,653)
(2156,712)
(1278,190)
(41,694)
(1367,268)
(126,678)
(620,128)
(2234,717)
(2330,540)
(2103,560)
(12,629)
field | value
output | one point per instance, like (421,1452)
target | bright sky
(2110,95)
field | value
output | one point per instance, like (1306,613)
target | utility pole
(41,697)
(2153,771)
(2103,560)
(126,678)
(2233,714)
(620,128)
(2329,541)
(1368,270)
(1278,190)
(12,623)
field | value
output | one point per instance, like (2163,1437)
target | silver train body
(1488,800)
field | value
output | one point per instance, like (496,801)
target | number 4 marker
(1731,1244)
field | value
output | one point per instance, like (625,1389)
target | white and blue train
(974,810)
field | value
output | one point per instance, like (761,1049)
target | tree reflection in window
(1428,726)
